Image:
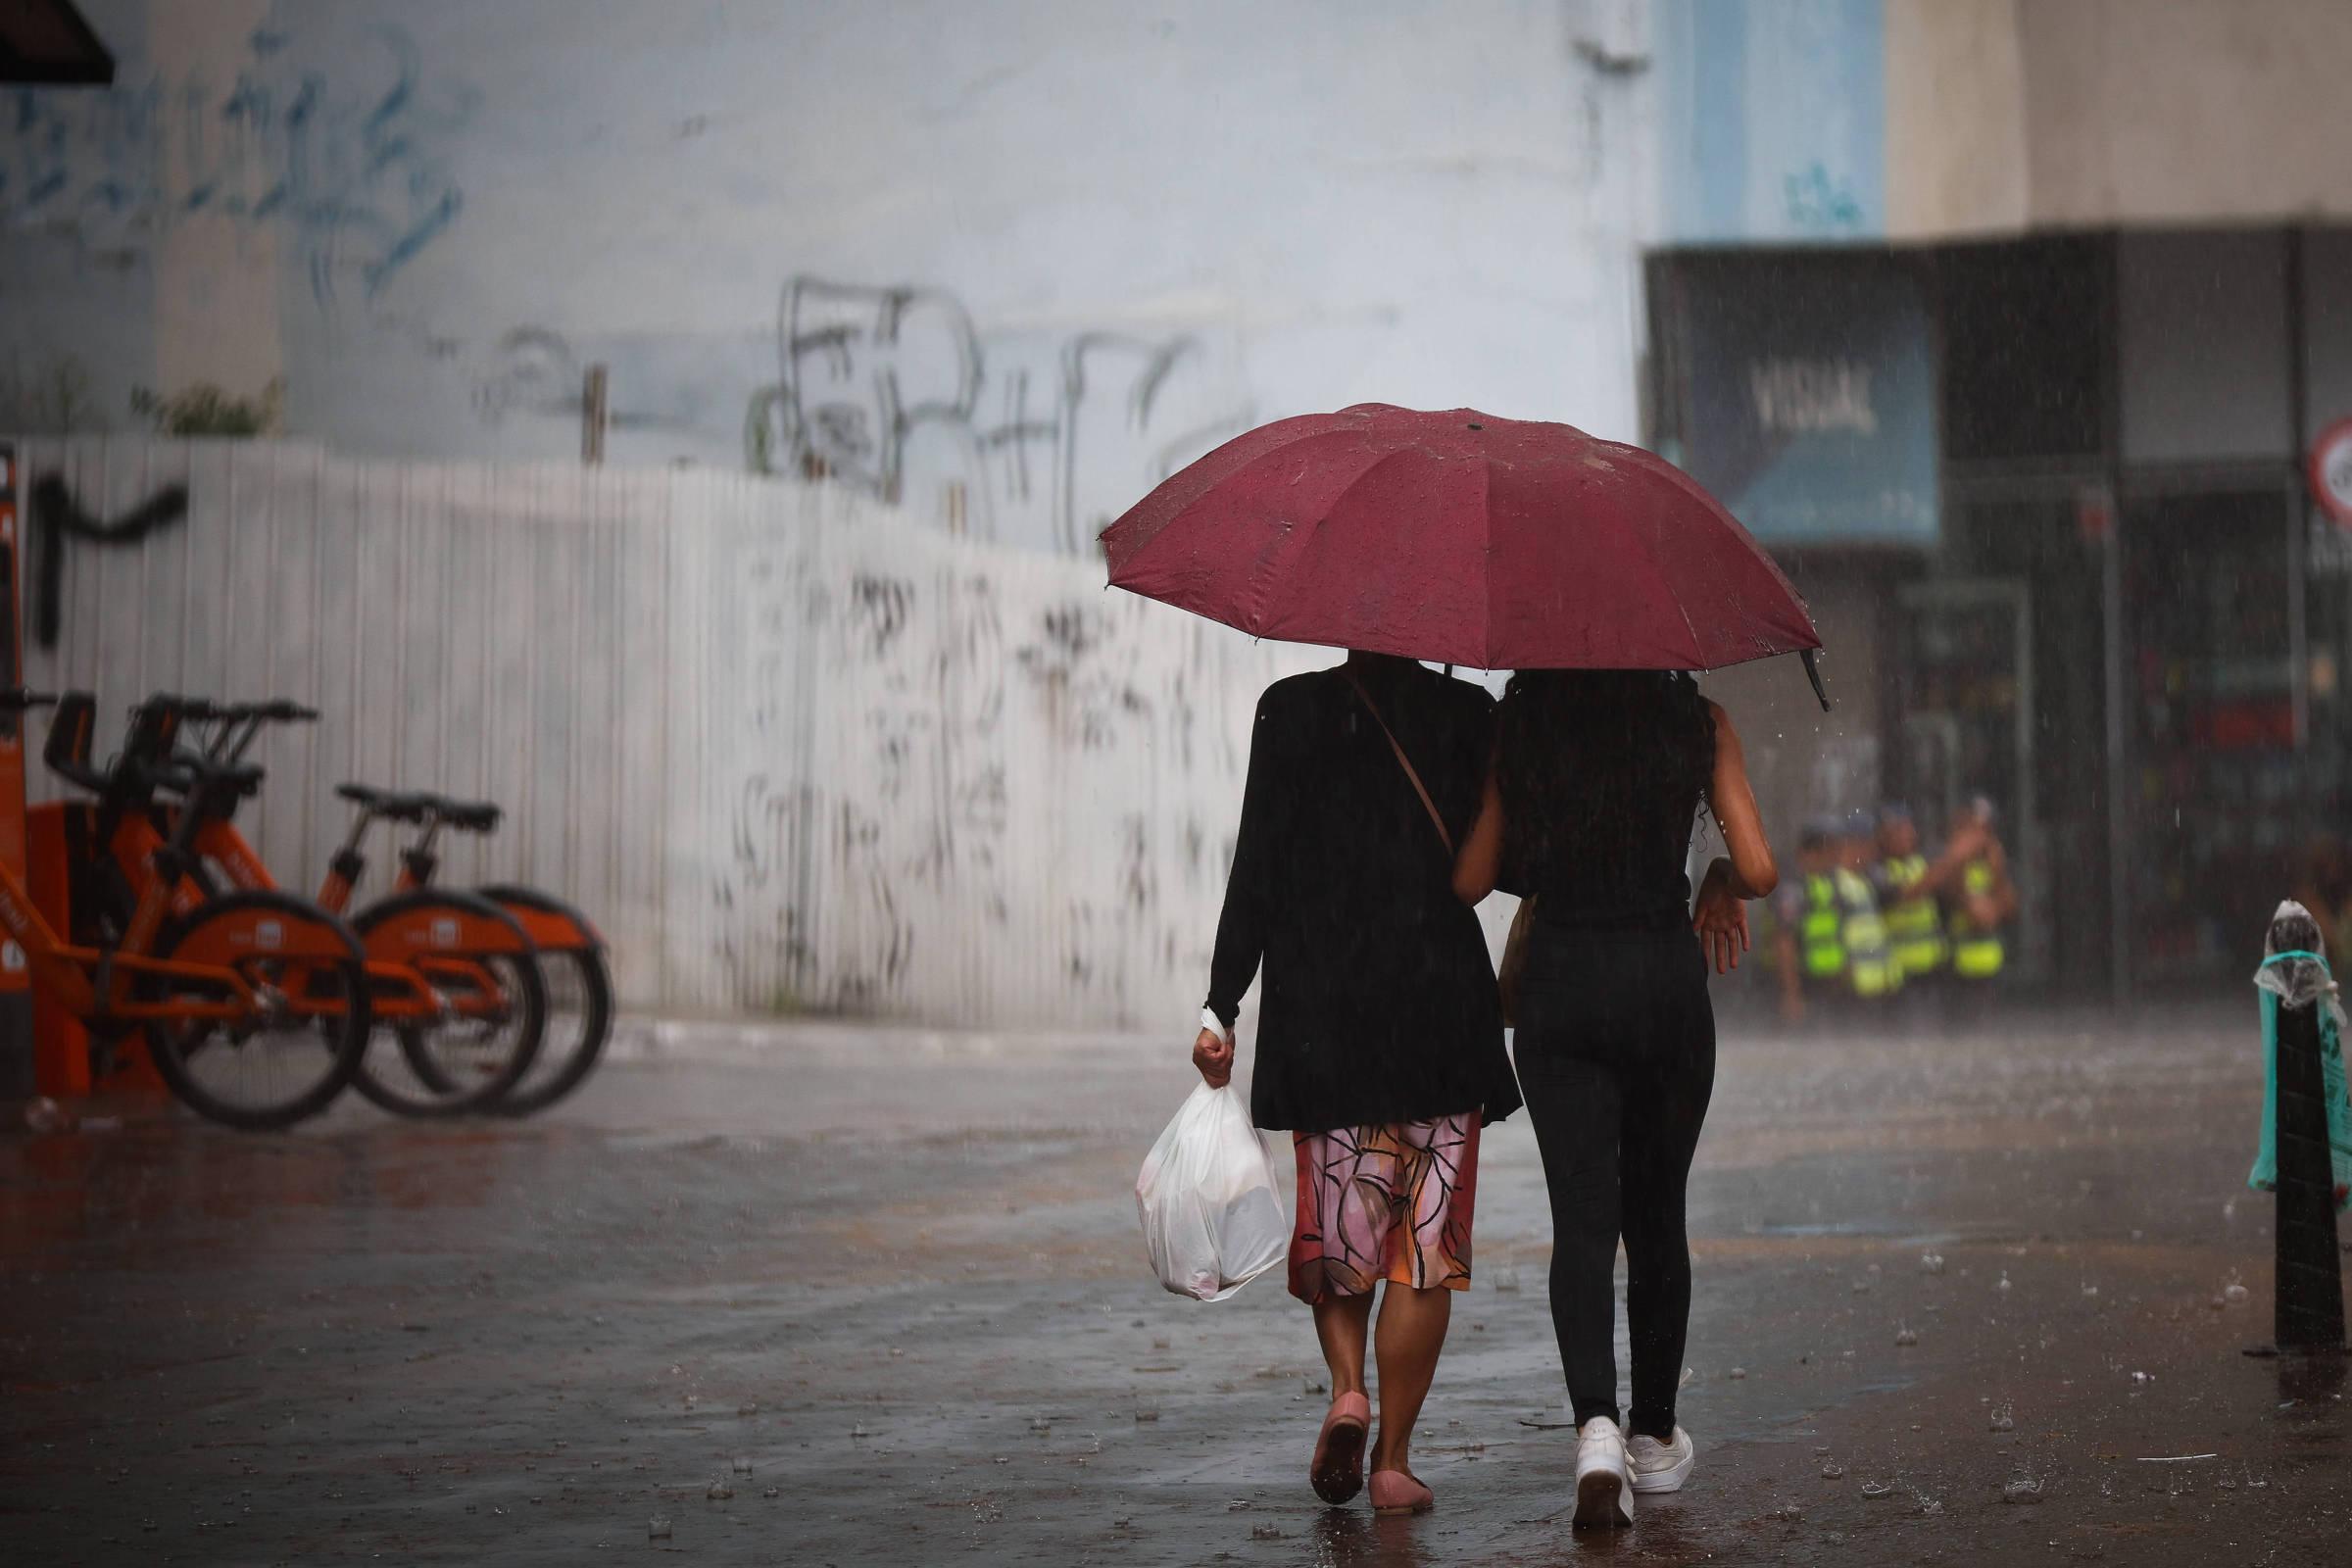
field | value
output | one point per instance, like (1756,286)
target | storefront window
(2024,341)
(2217,780)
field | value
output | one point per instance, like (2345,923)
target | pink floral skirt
(1387,1202)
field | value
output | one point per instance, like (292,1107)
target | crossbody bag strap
(1402,760)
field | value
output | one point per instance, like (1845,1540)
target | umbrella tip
(1813,674)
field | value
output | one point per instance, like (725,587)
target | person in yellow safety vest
(1829,937)
(1914,922)
(1981,899)
(1806,938)
(1871,969)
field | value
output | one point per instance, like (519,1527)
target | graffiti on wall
(346,152)
(1040,439)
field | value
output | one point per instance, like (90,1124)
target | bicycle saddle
(398,805)
(467,816)
(277,710)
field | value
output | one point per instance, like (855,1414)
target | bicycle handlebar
(17,698)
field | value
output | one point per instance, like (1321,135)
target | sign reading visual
(1811,408)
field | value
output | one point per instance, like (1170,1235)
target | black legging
(1616,1054)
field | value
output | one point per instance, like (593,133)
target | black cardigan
(1379,1003)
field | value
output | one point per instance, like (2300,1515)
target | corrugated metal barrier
(791,752)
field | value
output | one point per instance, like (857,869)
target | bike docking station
(140,912)
(2306,1122)
(44,1049)
(21,1077)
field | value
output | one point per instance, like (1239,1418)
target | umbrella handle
(1813,675)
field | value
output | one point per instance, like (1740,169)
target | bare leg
(1340,1323)
(1411,1332)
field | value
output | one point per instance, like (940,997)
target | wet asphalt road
(829,1294)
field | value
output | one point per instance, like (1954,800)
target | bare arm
(1719,914)
(1966,844)
(1480,862)
(1753,872)
(2001,902)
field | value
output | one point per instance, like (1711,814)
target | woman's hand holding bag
(1211,1194)
(1212,1053)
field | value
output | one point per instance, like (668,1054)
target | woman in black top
(1379,1031)
(1598,780)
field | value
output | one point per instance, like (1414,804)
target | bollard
(2309,1310)
(2298,1161)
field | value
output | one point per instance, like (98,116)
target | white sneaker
(1660,1467)
(1604,1493)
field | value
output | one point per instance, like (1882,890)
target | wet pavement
(831,1294)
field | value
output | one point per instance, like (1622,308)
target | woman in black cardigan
(1380,1032)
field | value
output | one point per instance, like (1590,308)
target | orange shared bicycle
(571,950)
(254,1005)
(456,999)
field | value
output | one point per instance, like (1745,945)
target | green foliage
(55,399)
(202,409)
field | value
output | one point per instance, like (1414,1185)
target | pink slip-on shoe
(1338,1471)
(1396,1492)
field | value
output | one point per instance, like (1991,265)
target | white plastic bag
(1212,1198)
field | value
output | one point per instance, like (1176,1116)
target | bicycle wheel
(478,962)
(580,1019)
(289,1059)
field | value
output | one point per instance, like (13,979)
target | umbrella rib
(1300,540)
(1310,529)
(1485,550)
(1646,552)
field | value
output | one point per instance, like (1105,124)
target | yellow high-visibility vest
(1914,926)
(1843,937)
(1818,934)
(1869,966)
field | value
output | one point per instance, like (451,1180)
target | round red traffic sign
(2332,472)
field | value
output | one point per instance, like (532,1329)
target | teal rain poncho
(2302,978)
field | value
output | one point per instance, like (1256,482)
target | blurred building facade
(2010,326)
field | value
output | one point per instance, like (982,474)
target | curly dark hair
(1597,767)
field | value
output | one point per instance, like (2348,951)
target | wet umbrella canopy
(1458,537)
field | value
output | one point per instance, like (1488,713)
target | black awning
(47,41)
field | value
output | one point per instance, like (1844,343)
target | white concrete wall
(1040,250)
(791,752)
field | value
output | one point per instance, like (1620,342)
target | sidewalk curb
(760,1043)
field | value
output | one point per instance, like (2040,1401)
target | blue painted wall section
(1772,120)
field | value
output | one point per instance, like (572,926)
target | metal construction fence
(790,752)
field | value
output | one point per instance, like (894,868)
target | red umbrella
(1461,538)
